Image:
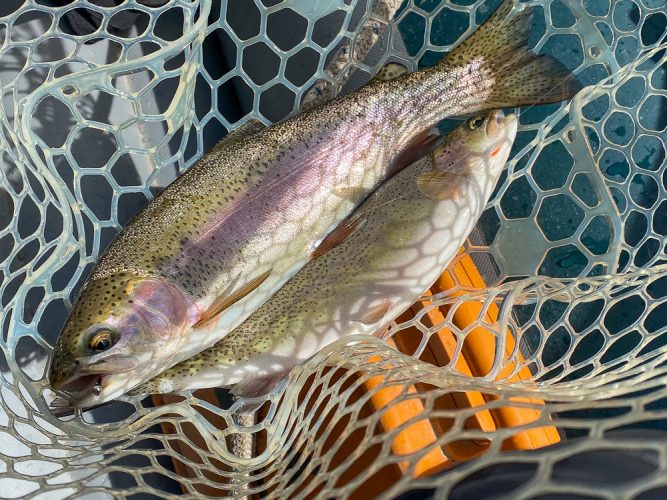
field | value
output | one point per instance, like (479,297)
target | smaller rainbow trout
(394,247)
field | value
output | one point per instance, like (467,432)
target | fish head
(481,145)
(122,329)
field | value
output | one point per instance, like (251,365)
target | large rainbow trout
(224,237)
(403,236)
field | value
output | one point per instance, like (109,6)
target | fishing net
(105,102)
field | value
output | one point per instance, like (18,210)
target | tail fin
(521,76)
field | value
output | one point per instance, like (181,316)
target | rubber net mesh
(97,118)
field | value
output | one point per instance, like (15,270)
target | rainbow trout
(225,236)
(402,238)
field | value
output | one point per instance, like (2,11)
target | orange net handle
(479,351)
(476,360)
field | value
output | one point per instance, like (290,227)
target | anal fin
(227,299)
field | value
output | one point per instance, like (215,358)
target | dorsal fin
(227,299)
(252,126)
(346,229)
(440,185)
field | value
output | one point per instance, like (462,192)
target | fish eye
(475,122)
(102,340)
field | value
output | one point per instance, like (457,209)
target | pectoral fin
(440,185)
(390,71)
(339,235)
(421,145)
(227,299)
(258,386)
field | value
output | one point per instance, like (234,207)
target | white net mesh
(104,104)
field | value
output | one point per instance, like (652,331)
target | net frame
(45,266)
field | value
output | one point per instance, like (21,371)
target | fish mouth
(80,383)
(76,388)
(63,407)
(83,374)
(112,364)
